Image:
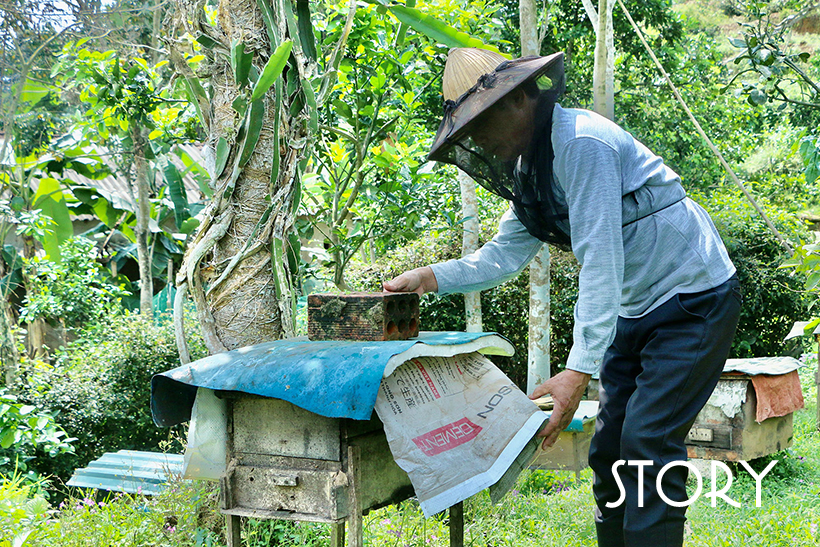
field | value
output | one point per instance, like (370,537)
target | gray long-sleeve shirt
(632,261)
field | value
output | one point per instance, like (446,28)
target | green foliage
(183,515)
(23,430)
(370,181)
(74,291)
(101,386)
(810,151)
(772,298)
(646,107)
(22,509)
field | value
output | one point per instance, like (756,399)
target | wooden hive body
(716,436)
(285,462)
(364,316)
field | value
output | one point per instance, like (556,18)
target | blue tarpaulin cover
(338,379)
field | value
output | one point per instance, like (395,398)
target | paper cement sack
(455,425)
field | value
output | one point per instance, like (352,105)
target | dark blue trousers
(655,378)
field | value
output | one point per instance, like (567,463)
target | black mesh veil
(527,182)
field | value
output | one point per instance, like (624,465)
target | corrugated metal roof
(129,471)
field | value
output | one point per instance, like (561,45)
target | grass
(546,509)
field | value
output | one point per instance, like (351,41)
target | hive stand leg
(337,534)
(457,525)
(234,531)
(355,518)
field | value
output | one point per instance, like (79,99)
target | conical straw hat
(476,79)
(464,67)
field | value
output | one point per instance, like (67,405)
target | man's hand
(566,389)
(420,280)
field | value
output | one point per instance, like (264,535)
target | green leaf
(176,190)
(294,252)
(222,153)
(206,41)
(240,105)
(812,173)
(189,225)
(192,90)
(273,69)
(297,193)
(26,410)
(253,127)
(277,101)
(437,30)
(306,36)
(738,42)
(402,33)
(804,56)
(240,63)
(51,201)
(310,103)
(33,91)
(7,438)
(276,261)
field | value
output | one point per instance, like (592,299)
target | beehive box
(285,462)
(363,316)
(716,435)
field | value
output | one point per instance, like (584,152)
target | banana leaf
(176,191)
(51,201)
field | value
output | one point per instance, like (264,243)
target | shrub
(23,508)
(101,387)
(24,429)
(772,297)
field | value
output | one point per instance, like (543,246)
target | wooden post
(355,516)
(234,531)
(457,525)
(337,534)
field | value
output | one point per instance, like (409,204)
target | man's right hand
(420,280)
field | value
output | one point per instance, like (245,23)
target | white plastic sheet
(206,453)
(455,425)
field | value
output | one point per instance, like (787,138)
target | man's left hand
(567,388)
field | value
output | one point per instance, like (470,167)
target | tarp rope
(702,133)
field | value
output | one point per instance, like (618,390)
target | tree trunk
(538,350)
(471,226)
(603,76)
(156,26)
(538,356)
(528,19)
(35,331)
(9,356)
(143,215)
(253,301)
